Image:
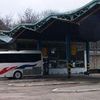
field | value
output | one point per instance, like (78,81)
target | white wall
(63,71)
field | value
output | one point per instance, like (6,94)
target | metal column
(68,54)
(87,54)
(39,45)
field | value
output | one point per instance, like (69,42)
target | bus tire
(17,75)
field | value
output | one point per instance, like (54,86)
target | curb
(32,84)
(74,91)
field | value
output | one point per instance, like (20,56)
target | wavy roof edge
(35,26)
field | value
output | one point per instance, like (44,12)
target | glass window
(19,57)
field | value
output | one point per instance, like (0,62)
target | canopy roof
(83,25)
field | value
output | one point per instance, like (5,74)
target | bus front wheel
(17,75)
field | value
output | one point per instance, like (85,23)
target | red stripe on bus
(4,70)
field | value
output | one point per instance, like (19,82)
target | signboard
(73,48)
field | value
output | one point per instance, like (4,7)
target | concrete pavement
(77,89)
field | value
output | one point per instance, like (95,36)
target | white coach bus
(16,64)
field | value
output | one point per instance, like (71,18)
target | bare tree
(7,20)
(3,25)
(47,13)
(28,16)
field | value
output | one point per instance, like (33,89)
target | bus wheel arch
(17,75)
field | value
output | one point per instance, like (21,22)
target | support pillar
(87,54)
(39,45)
(68,54)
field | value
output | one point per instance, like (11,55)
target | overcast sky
(14,7)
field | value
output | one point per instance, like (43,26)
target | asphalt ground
(42,88)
